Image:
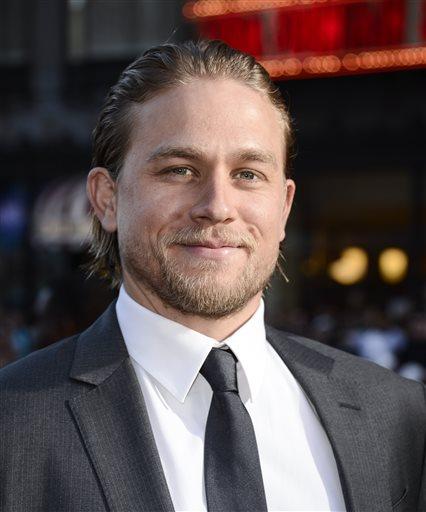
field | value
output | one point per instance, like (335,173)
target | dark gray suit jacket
(75,434)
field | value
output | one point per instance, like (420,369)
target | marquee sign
(303,38)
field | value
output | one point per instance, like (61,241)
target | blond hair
(158,69)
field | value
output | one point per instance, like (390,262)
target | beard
(197,286)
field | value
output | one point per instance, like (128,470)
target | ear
(289,191)
(101,191)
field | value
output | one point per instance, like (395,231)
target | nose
(215,202)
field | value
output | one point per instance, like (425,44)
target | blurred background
(354,76)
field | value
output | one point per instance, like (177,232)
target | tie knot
(220,370)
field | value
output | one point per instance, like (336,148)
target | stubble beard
(199,287)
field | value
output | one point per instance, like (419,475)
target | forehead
(217,116)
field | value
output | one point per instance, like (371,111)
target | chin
(197,265)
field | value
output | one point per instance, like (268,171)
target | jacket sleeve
(422,495)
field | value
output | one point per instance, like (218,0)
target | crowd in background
(393,336)
(61,309)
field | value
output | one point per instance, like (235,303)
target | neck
(216,328)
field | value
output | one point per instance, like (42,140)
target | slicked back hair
(159,69)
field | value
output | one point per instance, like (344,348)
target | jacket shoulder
(351,366)
(45,368)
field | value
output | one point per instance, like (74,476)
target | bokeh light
(351,267)
(393,265)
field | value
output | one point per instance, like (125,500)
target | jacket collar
(113,422)
(100,350)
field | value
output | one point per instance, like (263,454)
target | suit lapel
(347,422)
(113,421)
(114,426)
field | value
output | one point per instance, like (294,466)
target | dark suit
(75,434)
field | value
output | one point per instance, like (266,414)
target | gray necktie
(233,477)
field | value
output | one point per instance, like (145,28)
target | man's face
(201,199)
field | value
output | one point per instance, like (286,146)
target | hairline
(134,106)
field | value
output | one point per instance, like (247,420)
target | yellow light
(292,67)
(382,60)
(331,64)
(206,8)
(274,67)
(393,265)
(351,267)
(351,61)
(312,65)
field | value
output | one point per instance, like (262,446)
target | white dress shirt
(298,467)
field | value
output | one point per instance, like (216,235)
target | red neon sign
(341,36)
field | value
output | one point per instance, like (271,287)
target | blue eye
(181,171)
(247,175)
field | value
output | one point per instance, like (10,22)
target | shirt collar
(173,354)
(248,343)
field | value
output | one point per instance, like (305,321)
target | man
(177,398)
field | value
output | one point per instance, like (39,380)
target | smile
(213,251)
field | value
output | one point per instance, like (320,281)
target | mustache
(196,235)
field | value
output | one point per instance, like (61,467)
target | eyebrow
(255,155)
(191,153)
(176,152)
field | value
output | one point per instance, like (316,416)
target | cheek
(145,216)
(134,213)
(267,218)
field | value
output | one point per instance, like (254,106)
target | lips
(213,244)
(209,238)
(213,250)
